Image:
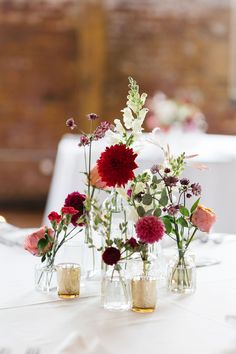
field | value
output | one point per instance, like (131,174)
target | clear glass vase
(45,278)
(181,273)
(116,294)
(144,286)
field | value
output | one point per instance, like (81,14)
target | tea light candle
(68,280)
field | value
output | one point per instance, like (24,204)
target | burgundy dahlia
(111,255)
(116,165)
(150,229)
(75,200)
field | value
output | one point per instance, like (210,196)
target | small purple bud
(92,116)
(71,123)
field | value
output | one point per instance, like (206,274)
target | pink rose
(203,218)
(31,241)
(95,179)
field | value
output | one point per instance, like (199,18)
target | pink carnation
(203,218)
(150,229)
(31,241)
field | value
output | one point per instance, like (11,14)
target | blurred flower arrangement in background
(168,114)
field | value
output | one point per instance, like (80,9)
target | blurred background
(62,59)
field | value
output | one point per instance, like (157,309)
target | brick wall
(68,58)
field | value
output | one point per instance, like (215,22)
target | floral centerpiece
(47,241)
(163,193)
(169,113)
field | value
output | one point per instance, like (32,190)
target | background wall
(68,58)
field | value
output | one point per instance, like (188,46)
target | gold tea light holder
(68,280)
(144,293)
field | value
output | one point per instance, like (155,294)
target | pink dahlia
(150,229)
(76,200)
(116,165)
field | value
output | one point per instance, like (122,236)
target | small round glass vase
(45,278)
(116,294)
(181,273)
(144,288)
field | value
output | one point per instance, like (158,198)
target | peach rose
(95,179)
(31,241)
(203,218)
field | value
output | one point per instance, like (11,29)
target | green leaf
(140,211)
(182,221)
(156,180)
(147,199)
(194,206)
(184,211)
(164,198)
(167,223)
(157,212)
(42,244)
(43,258)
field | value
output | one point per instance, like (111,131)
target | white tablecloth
(193,324)
(218,152)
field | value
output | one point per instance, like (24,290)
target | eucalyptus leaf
(141,211)
(147,199)
(164,198)
(157,212)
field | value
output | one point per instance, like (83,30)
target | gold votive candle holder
(68,280)
(144,293)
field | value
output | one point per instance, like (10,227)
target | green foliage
(194,206)
(164,198)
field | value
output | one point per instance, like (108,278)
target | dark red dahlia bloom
(54,216)
(116,165)
(150,229)
(76,200)
(111,255)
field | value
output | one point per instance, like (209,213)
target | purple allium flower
(101,130)
(196,189)
(71,123)
(155,169)
(184,181)
(173,210)
(171,181)
(167,170)
(84,140)
(92,116)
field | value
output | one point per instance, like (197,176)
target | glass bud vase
(181,273)
(116,292)
(45,278)
(144,288)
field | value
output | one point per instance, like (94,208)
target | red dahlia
(150,229)
(116,165)
(111,255)
(76,200)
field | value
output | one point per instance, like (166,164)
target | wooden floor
(23,218)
